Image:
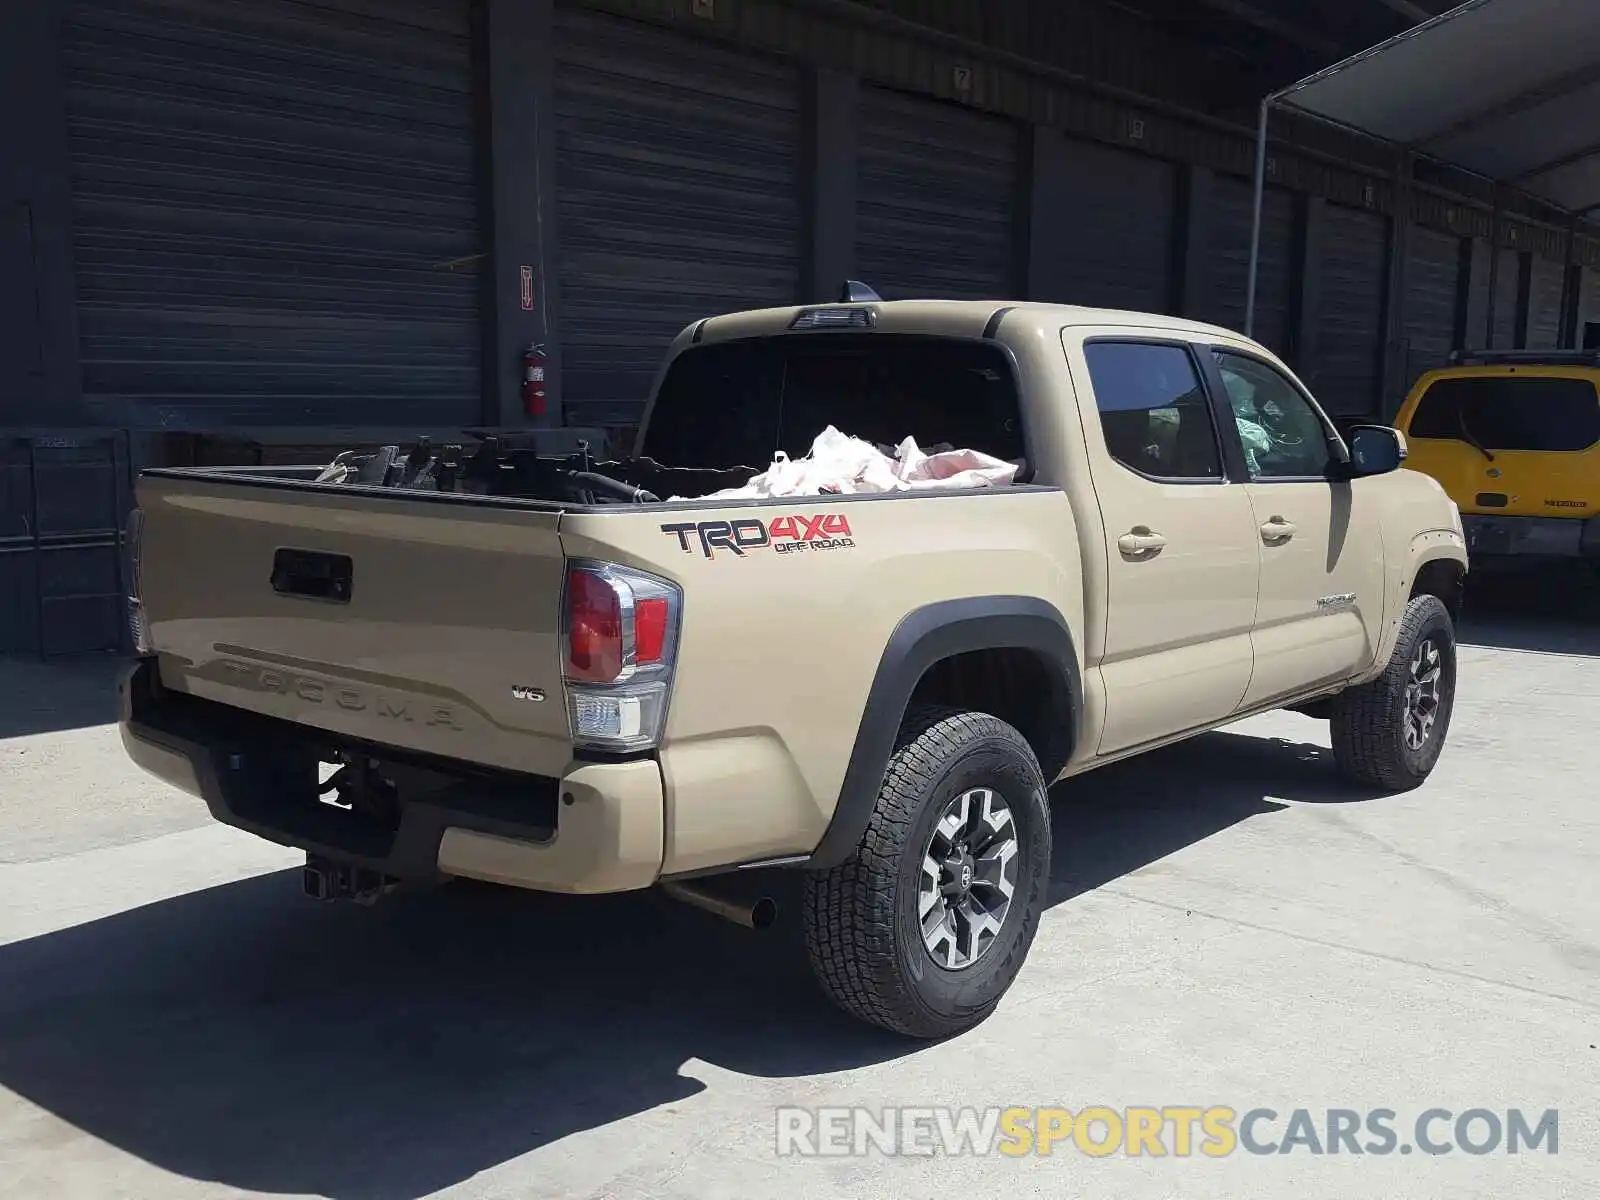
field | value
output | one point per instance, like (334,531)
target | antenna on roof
(856,292)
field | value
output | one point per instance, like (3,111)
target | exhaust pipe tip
(752,914)
(763,913)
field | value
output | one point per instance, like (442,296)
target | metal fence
(63,506)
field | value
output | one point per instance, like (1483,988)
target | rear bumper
(1548,537)
(598,828)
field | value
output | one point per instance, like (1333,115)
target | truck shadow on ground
(247,1036)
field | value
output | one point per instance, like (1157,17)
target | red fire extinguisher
(534,363)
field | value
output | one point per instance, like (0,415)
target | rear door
(1321,596)
(1181,549)
(426,623)
(1510,442)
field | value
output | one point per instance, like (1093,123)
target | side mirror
(1375,450)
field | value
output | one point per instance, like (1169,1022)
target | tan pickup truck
(552,674)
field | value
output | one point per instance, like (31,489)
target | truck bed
(425,620)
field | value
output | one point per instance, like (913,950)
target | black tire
(1369,722)
(862,930)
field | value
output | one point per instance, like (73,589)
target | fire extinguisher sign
(525,283)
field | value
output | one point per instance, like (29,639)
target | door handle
(1277,530)
(1141,539)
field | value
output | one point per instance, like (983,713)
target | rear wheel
(1389,733)
(926,925)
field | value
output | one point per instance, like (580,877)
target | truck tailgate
(427,624)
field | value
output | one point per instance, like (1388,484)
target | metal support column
(832,146)
(1495,237)
(1571,287)
(1194,241)
(1255,217)
(1396,363)
(524,307)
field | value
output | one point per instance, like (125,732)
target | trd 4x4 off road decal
(786,535)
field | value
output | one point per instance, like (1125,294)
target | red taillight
(650,618)
(594,629)
(621,629)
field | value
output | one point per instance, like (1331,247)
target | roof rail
(1543,358)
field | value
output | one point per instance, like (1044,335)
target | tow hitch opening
(328,881)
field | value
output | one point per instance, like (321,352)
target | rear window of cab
(1510,412)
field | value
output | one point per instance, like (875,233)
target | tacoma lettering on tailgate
(314,691)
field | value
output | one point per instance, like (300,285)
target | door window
(1284,437)
(1153,410)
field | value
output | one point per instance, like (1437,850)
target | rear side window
(1153,410)
(734,403)
(1509,412)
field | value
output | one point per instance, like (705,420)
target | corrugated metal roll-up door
(936,199)
(1506,285)
(1350,328)
(1227,259)
(1433,275)
(1544,304)
(276,211)
(1476,337)
(1114,232)
(678,187)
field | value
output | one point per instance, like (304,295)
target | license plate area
(1547,536)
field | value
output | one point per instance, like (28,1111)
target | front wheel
(1389,733)
(924,927)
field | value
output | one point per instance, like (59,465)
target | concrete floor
(1229,926)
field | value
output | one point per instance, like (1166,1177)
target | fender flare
(1424,550)
(922,638)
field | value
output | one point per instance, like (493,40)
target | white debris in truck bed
(841,465)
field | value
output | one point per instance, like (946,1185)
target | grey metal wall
(1114,218)
(1227,258)
(277,204)
(276,211)
(1428,320)
(678,176)
(1354,262)
(937,197)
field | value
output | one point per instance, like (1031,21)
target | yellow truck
(590,677)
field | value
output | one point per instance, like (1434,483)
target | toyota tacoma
(584,674)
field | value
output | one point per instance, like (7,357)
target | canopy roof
(1507,89)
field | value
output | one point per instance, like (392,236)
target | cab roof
(955,318)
